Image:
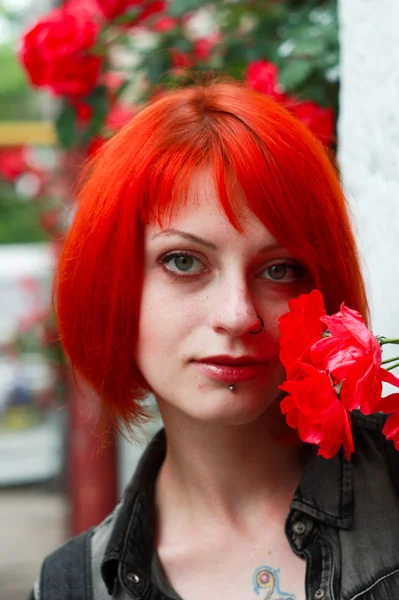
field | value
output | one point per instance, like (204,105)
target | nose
(233,309)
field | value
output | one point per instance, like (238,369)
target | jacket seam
(358,595)
(318,514)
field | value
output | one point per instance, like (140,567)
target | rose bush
(285,50)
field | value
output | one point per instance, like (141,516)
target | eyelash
(164,260)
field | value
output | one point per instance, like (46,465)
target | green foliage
(17,99)
(66,126)
(299,36)
(19,219)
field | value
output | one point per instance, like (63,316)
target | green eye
(183,263)
(278,272)
(285,272)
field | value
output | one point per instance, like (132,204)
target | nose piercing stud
(232,388)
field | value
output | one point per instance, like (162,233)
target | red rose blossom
(55,52)
(76,76)
(319,120)
(95,145)
(115,8)
(300,328)
(60,34)
(391,429)
(180,59)
(333,366)
(118,116)
(149,9)
(352,355)
(12,163)
(164,24)
(313,408)
(204,46)
(84,111)
(262,76)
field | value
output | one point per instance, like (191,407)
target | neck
(225,473)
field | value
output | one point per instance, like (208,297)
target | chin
(223,407)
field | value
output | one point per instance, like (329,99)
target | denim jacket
(343,519)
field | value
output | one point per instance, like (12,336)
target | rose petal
(389,377)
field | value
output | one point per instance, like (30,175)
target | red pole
(92,462)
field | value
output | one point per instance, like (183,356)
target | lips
(225,359)
(230,369)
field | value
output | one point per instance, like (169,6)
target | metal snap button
(319,594)
(299,527)
(132,577)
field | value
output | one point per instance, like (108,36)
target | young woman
(196,225)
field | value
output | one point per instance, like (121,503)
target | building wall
(369,146)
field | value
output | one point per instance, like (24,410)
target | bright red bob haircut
(139,176)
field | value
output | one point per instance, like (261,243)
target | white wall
(369,146)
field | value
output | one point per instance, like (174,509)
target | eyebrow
(210,245)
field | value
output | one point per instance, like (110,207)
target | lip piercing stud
(231,388)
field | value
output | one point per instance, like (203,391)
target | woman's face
(204,285)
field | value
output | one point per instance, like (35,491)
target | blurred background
(71,74)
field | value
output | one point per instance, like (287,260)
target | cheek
(163,322)
(272,313)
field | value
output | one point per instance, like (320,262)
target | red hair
(288,181)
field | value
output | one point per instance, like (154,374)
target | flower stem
(388,360)
(383,341)
(392,367)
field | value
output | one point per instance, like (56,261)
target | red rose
(180,59)
(115,8)
(300,328)
(203,47)
(62,33)
(95,145)
(164,24)
(76,76)
(150,9)
(118,116)
(84,111)
(12,163)
(262,76)
(313,408)
(391,429)
(353,356)
(63,36)
(319,120)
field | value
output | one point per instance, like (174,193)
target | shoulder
(372,450)
(65,571)
(70,571)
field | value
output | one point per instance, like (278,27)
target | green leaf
(122,88)
(180,7)
(310,47)
(127,17)
(294,73)
(66,127)
(157,65)
(99,102)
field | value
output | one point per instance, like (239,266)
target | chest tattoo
(267,586)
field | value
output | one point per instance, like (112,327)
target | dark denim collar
(324,493)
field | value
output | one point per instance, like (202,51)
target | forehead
(199,211)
